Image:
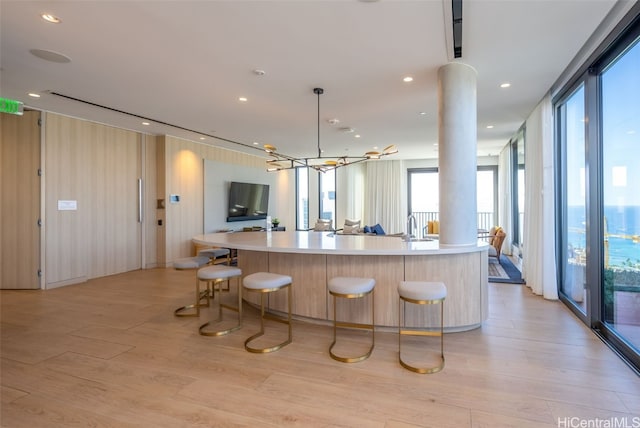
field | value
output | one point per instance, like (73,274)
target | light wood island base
(312,258)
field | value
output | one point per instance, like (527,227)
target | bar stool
(352,288)
(216,253)
(264,283)
(421,293)
(215,275)
(193,263)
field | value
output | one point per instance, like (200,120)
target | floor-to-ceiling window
(324,201)
(487,189)
(598,139)
(424,200)
(423,197)
(518,188)
(620,236)
(327,193)
(573,205)
(302,198)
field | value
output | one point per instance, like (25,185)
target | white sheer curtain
(351,184)
(504,219)
(385,195)
(539,260)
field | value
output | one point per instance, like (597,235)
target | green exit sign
(10,106)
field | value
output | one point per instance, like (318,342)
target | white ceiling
(186,63)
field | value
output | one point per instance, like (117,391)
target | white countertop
(330,243)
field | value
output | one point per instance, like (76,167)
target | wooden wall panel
(98,166)
(183,169)
(20,201)
(150,235)
(252,262)
(309,275)
(465,280)
(65,253)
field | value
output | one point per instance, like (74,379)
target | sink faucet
(411,225)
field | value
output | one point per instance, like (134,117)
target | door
(20,201)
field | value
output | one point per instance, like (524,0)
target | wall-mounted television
(247,201)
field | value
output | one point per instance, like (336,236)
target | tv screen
(248,201)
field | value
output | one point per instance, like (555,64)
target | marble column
(457,154)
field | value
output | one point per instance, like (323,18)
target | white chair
(421,293)
(351,227)
(351,288)
(323,225)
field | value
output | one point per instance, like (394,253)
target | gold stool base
(264,316)
(352,359)
(417,332)
(217,285)
(337,324)
(202,295)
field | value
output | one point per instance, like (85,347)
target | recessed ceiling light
(423,113)
(489,126)
(375,147)
(242,99)
(255,143)
(505,85)
(146,123)
(357,136)
(34,95)
(202,138)
(51,18)
(408,79)
(259,72)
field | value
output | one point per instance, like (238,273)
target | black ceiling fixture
(456,8)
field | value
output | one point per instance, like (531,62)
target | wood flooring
(110,353)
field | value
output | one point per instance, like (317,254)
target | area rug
(505,271)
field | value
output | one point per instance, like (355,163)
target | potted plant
(275,222)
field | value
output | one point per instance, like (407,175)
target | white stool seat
(422,290)
(190,262)
(214,253)
(218,272)
(351,285)
(265,280)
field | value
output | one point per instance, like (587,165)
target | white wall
(218,176)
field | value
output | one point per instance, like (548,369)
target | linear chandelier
(319,163)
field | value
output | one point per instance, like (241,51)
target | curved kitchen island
(311,258)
